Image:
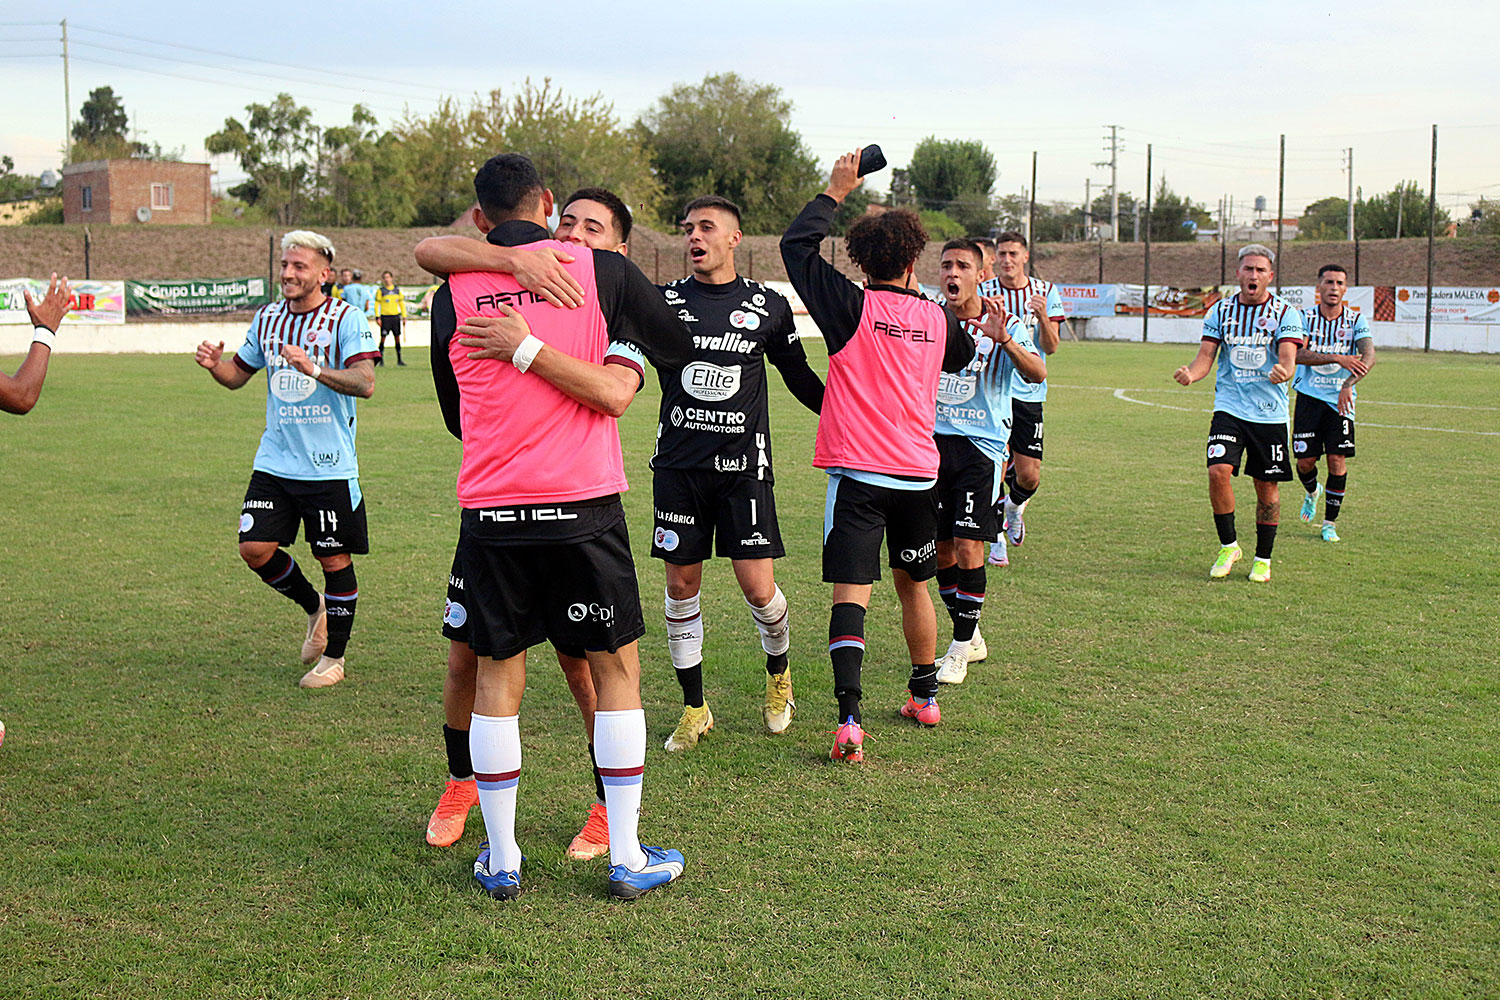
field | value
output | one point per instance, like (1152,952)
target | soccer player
(987,247)
(1039,305)
(886,346)
(592,217)
(972,431)
(390,307)
(712,467)
(319,353)
(1256,336)
(19,392)
(542,542)
(1340,351)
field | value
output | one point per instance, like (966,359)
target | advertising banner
(1087,301)
(204,296)
(1360,299)
(94,302)
(1165,300)
(418,300)
(1449,305)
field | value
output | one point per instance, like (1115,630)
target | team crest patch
(247,521)
(666,539)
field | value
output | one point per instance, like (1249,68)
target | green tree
(1175,219)
(14,186)
(1483,220)
(1324,219)
(1127,212)
(363,177)
(854,206)
(274,147)
(102,130)
(729,136)
(955,176)
(940,225)
(441,149)
(1400,211)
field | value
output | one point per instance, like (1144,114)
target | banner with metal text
(94,303)
(198,297)
(1087,301)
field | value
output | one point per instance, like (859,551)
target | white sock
(684,632)
(620,747)
(495,747)
(774,624)
(955,647)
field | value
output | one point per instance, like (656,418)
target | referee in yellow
(390,306)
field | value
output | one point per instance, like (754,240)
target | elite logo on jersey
(710,382)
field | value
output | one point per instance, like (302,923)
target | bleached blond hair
(1257,250)
(308,240)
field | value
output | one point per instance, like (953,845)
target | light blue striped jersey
(975,402)
(309,427)
(1248,337)
(1329,336)
(1018,304)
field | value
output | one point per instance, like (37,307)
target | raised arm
(539,271)
(19,392)
(229,372)
(1201,365)
(834,302)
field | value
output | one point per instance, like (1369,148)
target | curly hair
(885,245)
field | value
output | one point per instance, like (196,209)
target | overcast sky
(1211,86)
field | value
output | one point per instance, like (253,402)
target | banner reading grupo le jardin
(202,296)
(94,302)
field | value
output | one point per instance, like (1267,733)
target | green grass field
(1156,786)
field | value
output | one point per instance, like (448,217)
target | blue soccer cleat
(662,866)
(500,885)
(1310,505)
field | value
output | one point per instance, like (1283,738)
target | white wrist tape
(42,335)
(317,370)
(526,353)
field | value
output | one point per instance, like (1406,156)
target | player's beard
(296,292)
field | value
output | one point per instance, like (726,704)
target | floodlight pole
(1350,151)
(1146,278)
(1431,228)
(1031,219)
(1280,208)
(67,99)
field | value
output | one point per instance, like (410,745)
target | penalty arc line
(1366,402)
(1120,395)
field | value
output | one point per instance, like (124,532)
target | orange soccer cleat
(447,823)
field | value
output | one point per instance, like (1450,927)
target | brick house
(156,192)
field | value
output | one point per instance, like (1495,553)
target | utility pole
(1088,209)
(1400,204)
(1031,210)
(1431,232)
(1280,208)
(1350,151)
(1113,163)
(67,99)
(1146,268)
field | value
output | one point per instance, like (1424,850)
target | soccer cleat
(1330,533)
(848,743)
(695,722)
(779,707)
(1260,571)
(1310,505)
(499,885)
(325,673)
(317,633)
(593,840)
(978,649)
(1228,556)
(662,866)
(446,825)
(926,711)
(953,666)
(998,555)
(1015,523)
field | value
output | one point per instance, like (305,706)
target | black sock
(1265,540)
(776,664)
(1309,479)
(1333,495)
(397,338)
(1225,524)
(947,580)
(1010,478)
(598,781)
(970,602)
(282,574)
(457,742)
(341,593)
(846,647)
(923,681)
(691,679)
(1020,494)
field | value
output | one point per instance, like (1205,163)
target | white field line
(1121,394)
(1362,402)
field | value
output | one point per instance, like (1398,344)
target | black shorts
(1262,445)
(693,505)
(390,324)
(456,612)
(855,517)
(570,581)
(331,511)
(1026,429)
(1318,429)
(967,483)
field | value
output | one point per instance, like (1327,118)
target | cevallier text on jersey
(732,341)
(516,515)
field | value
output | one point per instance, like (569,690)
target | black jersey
(713,412)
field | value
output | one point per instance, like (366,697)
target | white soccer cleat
(325,673)
(953,666)
(1015,522)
